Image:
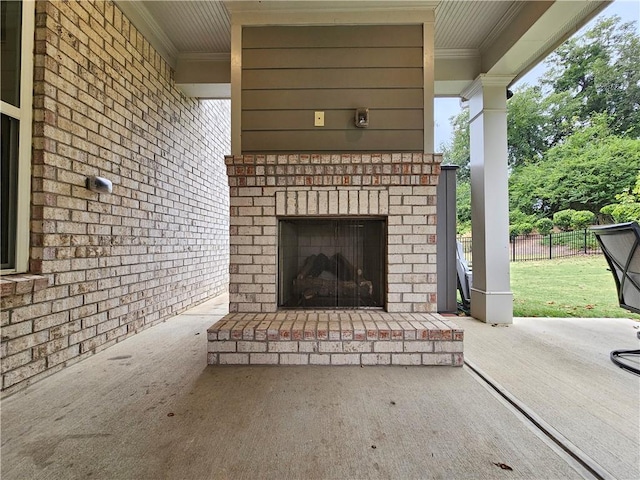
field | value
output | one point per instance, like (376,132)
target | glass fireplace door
(331,263)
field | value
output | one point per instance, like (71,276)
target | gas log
(321,276)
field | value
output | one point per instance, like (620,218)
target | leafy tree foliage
(574,139)
(527,127)
(458,152)
(596,73)
(583,173)
(628,208)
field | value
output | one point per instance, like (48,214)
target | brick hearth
(335,338)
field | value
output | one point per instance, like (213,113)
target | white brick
(263,358)
(329,347)
(361,347)
(418,346)
(406,359)
(234,358)
(437,359)
(279,347)
(294,359)
(333,202)
(385,347)
(319,359)
(345,359)
(223,346)
(252,346)
(448,347)
(376,359)
(308,347)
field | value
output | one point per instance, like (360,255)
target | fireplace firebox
(331,263)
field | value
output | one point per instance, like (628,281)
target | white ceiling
(471,37)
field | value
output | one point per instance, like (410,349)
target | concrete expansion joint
(575,457)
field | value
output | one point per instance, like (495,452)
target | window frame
(24,114)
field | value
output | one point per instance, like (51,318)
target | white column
(491,297)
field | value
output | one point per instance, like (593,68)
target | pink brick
(7,287)
(458,359)
(334,331)
(273,332)
(285,331)
(323,331)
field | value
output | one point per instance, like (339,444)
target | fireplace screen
(331,263)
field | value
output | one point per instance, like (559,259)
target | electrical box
(362,117)
(318,119)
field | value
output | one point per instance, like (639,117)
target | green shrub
(514,231)
(544,226)
(562,219)
(622,212)
(516,216)
(582,219)
(525,228)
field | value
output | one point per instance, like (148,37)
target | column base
(492,307)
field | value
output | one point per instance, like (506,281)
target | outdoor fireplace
(331,263)
(333,231)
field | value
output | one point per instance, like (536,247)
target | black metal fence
(545,247)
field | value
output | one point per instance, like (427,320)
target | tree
(585,172)
(459,152)
(596,73)
(527,126)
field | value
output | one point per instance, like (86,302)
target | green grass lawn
(566,287)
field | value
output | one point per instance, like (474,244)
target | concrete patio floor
(150,408)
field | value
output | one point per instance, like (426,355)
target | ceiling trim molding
(280,7)
(326,13)
(142,19)
(204,57)
(456,53)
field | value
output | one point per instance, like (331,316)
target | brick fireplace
(396,192)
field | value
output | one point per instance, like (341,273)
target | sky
(445,108)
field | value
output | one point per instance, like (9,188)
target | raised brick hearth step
(335,338)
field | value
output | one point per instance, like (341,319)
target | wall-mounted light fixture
(99,184)
(362,117)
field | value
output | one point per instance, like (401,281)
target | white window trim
(25,115)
